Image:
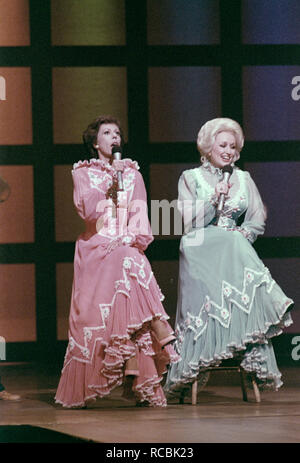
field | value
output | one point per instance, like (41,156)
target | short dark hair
(89,136)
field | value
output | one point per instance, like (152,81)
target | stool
(226,368)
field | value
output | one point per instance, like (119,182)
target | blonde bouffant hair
(208,132)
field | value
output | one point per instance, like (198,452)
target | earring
(96,146)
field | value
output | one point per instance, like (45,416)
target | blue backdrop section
(271,111)
(181,22)
(271,21)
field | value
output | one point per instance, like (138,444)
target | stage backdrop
(163,69)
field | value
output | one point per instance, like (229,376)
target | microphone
(227,171)
(117,155)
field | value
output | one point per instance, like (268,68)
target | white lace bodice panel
(197,187)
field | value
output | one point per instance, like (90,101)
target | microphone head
(116,149)
(116,152)
(228,169)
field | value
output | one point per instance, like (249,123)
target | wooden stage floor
(219,417)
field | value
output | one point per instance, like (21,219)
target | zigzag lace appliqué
(243,299)
(131,268)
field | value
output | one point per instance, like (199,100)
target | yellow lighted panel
(81,94)
(88,22)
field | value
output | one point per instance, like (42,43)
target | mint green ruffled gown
(228,302)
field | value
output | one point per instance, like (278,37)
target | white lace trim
(105,165)
(252,361)
(268,378)
(131,268)
(212,169)
(242,298)
(146,393)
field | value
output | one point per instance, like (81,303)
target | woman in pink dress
(118,329)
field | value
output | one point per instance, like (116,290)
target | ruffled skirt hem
(255,350)
(83,381)
(228,305)
(123,333)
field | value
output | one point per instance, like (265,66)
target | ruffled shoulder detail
(105,165)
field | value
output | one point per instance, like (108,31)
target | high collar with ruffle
(212,169)
(105,165)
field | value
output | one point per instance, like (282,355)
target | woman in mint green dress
(228,303)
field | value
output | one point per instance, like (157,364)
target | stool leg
(194,392)
(243,384)
(256,390)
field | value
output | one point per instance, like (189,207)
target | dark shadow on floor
(34,434)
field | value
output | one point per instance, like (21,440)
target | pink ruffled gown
(117,323)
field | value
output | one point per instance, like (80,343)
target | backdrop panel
(17,212)
(68,224)
(279,187)
(176,22)
(270,111)
(181,99)
(17,302)
(14,23)
(81,94)
(16,108)
(271,22)
(92,22)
